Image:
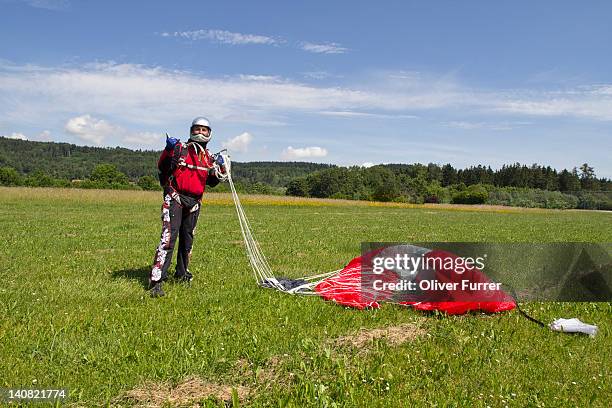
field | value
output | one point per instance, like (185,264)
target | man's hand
(171,142)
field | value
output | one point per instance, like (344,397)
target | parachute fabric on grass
(345,286)
(349,287)
(459,302)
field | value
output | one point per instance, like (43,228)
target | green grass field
(75,312)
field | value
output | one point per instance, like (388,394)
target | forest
(48,164)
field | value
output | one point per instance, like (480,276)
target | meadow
(76,313)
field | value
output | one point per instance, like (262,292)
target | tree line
(36,162)
(515,184)
(47,164)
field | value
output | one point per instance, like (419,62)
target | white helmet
(200,121)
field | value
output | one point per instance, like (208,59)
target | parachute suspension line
(521,311)
(259,264)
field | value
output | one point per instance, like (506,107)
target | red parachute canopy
(351,287)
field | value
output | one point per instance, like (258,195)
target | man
(189,169)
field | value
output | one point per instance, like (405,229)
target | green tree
(148,183)
(328,182)
(586,171)
(588,181)
(10,177)
(417,187)
(434,172)
(388,190)
(474,194)
(569,181)
(298,187)
(435,193)
(449,175)
(39,179)
(259,188)
(108,174)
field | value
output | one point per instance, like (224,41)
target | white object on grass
(573,326)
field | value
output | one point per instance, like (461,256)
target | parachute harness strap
(259,264)
(199,150)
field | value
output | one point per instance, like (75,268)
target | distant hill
(69,161)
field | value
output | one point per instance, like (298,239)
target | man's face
(200,130)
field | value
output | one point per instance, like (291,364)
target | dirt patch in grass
(394,335)
(264,376)
(189,392)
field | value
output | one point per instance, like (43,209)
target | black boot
(157,290)
(187,277)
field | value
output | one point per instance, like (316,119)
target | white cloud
(154,97)
(262,78)
(348,114)
(17,136)
(602,90)
(239,143)
(45,136)
(90,129)
(142,138)
(291,153)
(584,101)
(485,125)
(317,75)
(368,164)
(328,48)
(97,131)
(223,37)
(464,125)
(233,38)
(48,4)
(352,114)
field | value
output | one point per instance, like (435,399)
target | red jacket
(186,179)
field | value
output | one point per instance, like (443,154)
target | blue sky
(344,82)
